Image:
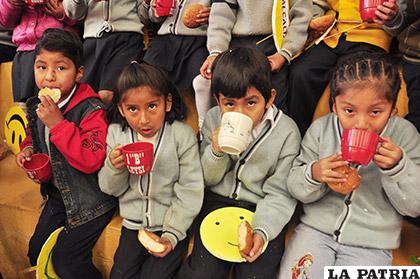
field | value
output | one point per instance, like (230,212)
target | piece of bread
(321,23)
(245,237)
(190,15)
(55,93)
(150,241)
(353,180)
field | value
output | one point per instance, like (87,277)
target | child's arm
(219,32)
(399,22)
(301,183)
(300,14)
(401,181)
(10,12)
(83,146)
(113,176)
(215,163)
(56,9)
(188,190)
(75,9)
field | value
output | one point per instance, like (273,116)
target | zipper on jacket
(243,160)
(148,216)
(173,29)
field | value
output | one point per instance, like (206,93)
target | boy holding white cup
(255,178)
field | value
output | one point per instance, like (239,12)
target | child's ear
(334,108)
(216,97)
(394,111)
(272,98)
(80,73)
(121,110)
(168,103)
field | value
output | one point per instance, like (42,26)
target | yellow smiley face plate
(44,267)
(219,232)
(14,128)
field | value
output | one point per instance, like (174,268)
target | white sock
(202,97)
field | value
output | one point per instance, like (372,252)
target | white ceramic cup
(235,130)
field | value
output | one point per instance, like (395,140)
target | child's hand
(48,112)
(276,61)
(386,12)
(256,248)
(205,69)
(215,141)
(24,155)
(203,16)
(54,8)
(116,157)
(388,154)
(168,248)
(322,170)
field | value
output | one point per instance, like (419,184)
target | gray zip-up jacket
(238,18)
(170,196)
(173,24)
(370,216)
(105,16)
(259,174)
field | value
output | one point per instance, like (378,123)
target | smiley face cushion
(219,232)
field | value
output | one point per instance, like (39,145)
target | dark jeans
(203,265)
(23,78)
(411,74)
(310,74)
(72,254)
(7,53)
(132,260)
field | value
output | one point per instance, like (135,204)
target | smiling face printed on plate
(219,232)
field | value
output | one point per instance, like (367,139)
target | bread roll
(321,23)
(190,15)
(353,180)
(55,93)
(150,241)
(245,237)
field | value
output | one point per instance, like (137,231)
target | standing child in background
(363,226)
(178,48)
(113,36)
(148,108)
(29,23)
(312,70)
(73,133)
(407,26)
(256,179)
(249,23)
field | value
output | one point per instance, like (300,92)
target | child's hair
(238,69)
(59,40)
(138,74)
(361,70)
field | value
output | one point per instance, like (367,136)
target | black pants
(7,53)
(203,265)
(133,261)
(310,74)
(411,74)
(23,78)
(105,57)
(72,254)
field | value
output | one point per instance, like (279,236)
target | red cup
(164,7)
(359,146)
(367,9)
(138,157)
(38,168)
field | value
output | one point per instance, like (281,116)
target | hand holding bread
(195,15)
(157,246)
(353,180)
